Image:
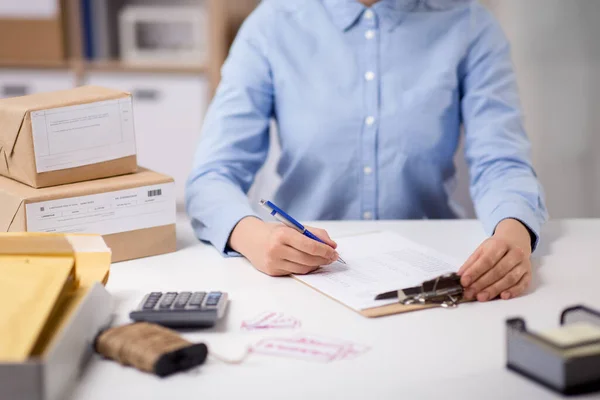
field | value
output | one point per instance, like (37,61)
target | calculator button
(213,299)
(168,300)
(196,299)
(149,305)
(182,299)
(151,300)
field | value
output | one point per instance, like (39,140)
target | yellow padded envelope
(31,288)
(92,260)
(34,263)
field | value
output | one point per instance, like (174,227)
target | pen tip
(341,260)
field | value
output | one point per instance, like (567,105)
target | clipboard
(443,291)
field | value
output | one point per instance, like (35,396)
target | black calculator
(182,309)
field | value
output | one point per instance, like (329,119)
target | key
(168,300)
(182,299)
(151,300)
(196,300)
(213,298)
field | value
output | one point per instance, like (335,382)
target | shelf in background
(20,64)
(119,66)
(83,66)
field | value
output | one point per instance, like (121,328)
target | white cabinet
(23,82)
(168,113)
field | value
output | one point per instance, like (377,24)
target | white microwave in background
(164,34)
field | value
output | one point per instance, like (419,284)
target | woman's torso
(368,112)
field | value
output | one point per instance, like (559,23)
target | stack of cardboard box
(68,164)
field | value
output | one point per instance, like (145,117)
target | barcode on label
(156,192)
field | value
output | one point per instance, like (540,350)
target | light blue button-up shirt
(369,104)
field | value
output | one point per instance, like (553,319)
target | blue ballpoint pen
(283,217)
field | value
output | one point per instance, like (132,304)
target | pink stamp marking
(308,347)
(270,320)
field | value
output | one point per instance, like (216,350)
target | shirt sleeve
(497,151)
(234,140)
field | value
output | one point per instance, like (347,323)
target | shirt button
(367,215)
(370,34)
(369,14)
(367,170)
(370,120)
(369,76)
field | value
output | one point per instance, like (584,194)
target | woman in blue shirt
(369,97)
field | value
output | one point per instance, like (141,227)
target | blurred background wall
(556,52)
(56,44)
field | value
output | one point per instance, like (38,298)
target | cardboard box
(134,213)
(52,377)
(67,136)
(65,343)
(33,32)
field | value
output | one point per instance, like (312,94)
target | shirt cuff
(521,213)
(220,235)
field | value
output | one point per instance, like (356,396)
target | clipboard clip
(445,291)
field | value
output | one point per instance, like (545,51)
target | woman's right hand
(278,250)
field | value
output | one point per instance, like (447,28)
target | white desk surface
(432,354)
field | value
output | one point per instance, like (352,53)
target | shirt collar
(391,12)
(346,12)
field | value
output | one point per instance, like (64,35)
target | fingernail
(506,295)
(466,280)
(335,256)
(469,294)
(484,296)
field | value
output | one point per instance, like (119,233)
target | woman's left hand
(500,266)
